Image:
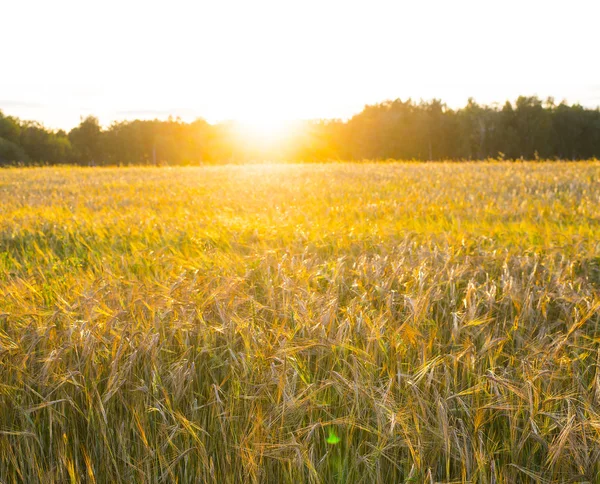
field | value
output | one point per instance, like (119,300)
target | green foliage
(86,141)
(25,142)
(43,146)
(351,322)
(10,128)
(11,153)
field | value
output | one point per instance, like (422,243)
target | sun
(264,131)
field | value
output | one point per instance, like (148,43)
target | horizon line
(164,115)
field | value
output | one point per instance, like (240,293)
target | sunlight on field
(300,323)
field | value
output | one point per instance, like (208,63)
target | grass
(301,323)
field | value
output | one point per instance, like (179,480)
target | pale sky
(271,60)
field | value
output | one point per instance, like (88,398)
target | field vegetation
(316,323)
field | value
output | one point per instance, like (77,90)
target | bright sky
(260,60)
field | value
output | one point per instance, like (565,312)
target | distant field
(301,323)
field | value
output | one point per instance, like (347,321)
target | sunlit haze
(265,61)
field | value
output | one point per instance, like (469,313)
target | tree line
(428,130)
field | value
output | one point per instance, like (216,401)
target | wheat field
(323,323)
